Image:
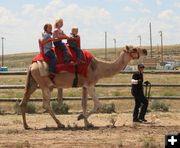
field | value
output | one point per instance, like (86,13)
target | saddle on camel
(76,68)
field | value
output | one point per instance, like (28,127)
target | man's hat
(141,66)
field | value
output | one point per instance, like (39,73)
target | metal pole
(158,52)
(139,36)
(105,45)
(150,39)
(2,38)
(161,46)
(115,46)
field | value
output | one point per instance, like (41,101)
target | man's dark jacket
(137,89)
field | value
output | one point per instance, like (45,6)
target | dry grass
(104,134)
(120,78)
(24,59)
(121,105)
(149,142)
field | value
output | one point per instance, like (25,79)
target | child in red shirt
(74,43)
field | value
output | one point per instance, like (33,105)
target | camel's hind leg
(31,86)
(46,105)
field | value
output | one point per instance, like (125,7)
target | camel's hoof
(61,125)
(27,128)
(89,125)
(81,116)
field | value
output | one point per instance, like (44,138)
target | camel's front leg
(97,104)
(46,104)
(84,107)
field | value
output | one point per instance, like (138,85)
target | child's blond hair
(74,28)
(57,21)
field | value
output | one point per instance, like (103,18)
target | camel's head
(135,52)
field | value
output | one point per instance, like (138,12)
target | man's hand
(147,83)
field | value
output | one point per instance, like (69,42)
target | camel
(97,69)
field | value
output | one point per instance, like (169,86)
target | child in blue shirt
(47,47)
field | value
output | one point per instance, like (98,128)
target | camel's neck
(112,68)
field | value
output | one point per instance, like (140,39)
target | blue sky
(21,21)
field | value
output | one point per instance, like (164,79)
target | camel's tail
(29,80)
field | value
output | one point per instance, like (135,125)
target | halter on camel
(131,53)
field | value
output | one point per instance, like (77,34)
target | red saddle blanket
(61,66)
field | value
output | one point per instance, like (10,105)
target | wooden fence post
(60,96)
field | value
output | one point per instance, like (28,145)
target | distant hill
(171,52)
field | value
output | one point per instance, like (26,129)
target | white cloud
(170,19)
(26,26)
(128,9)
(145,10)
(55,3)
(158,2)
(166,14)
(7,17)
(129,30)
(177,4)
(23,28)
(139,2)
(28,9)
(95,15)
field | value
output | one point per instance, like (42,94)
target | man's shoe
(137,120)
(143,120)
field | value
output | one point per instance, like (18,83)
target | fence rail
(100,98)
(122,72)
(98,85)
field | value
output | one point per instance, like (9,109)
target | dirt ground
(44,133)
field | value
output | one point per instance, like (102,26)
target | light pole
(2,38)
(115,46)
(105,45)
(161,35)
(150,36)
(139,36)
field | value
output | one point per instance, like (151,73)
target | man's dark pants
(140,100)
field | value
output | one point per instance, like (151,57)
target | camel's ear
(127,47)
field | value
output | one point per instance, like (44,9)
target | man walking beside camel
(141,102)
